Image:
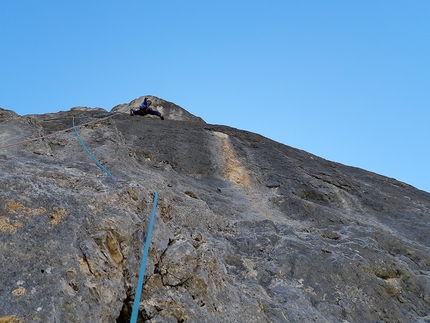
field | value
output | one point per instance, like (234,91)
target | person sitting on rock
(145,109)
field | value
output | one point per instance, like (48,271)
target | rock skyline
(246,230)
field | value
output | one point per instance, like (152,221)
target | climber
(145,109)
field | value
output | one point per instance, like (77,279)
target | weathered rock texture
(246,229)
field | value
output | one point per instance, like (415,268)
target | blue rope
(143,264)
(92,156)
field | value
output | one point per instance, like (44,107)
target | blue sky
(348,81)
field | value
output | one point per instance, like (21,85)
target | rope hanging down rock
(151,222)
(60,131)
(143,264)
(74,127)
(87,150)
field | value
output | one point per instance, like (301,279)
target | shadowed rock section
(246,230)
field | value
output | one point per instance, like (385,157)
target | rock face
(246,229)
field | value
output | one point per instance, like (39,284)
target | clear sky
(348,81)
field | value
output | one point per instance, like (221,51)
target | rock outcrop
(246,229)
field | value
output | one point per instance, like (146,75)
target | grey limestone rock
(246,229)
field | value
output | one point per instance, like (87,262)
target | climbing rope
(154,206)
(61,131)
(103,116)
(87,150)
(143,264)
